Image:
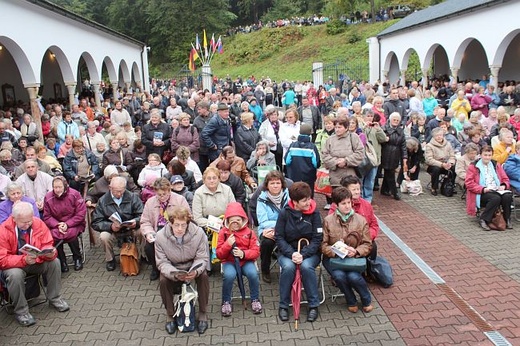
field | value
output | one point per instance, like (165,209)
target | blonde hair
(183,116)
(211,170)
(246,116)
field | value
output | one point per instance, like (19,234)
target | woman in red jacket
(237,240)
(486,183)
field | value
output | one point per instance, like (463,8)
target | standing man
(394,104)
(310,115)
(21,228)
(217,132)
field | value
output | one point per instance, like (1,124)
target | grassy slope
(289,52)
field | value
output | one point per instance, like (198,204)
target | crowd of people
(158,167)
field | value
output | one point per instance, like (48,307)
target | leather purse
(348,264)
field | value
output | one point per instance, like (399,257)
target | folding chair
(31,294)
(68,254)
(321,286)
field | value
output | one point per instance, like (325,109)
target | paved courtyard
(454,285)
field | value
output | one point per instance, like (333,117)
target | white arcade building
(47,50)
(459,38)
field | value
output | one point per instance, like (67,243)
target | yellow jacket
(460,107)
(500,153)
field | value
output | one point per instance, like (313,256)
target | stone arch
(509,60)
(91,66)
(111,70)
(124,73)
(438,55)
(20,58)
(392,68)
(136,74)
(471,59)
(389,59)
(503,46)
(63,63)
(406,58)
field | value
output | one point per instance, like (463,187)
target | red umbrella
(296,290)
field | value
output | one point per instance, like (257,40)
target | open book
(214,223)
(115,217)
(192,269)
(340,249)
(34,251)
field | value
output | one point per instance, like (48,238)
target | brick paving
(483,268)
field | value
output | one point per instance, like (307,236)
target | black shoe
(111,265)
(509,224)
(313,315)
(385,193)
(397,197)
(154,275)
(64,267)
(266,277)
(283,314)
(484,225)
(78,265)
(202,327)
(171,327)
(434,192)
(375,188)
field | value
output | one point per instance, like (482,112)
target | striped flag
(213,44)
(197,43)
(220,47)
(205,43)
(191,61)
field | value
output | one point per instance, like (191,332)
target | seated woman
(211,198)
(474,136)
(463,162)
(505,147)
(450,137)
(80,164)
(64,213)
(247,137)
(14,193)
(42,153)
(117,156)
(237,240)
(175,167)
(512,168)
(231,180)
(154,217)
(440,158)
(182,245)
(8,163)
(299,220)
(271,201)
(66,146)
(352,229)
(186,135)
(485,179)
(155,168)
(261,156)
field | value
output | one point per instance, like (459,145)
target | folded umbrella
(296,290)
(240,279)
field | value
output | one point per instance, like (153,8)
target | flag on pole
(191,61)
(220,48)
(213,44)
(197,43)
(205,45)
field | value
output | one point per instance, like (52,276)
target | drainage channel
(494,336)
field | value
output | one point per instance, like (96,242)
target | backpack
(448,185)
(129,259)
(380,270)
(177,130)
(184,315)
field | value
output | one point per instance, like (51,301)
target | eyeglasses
(178,225)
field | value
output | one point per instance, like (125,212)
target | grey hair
(394,115)
(29,161)
(22,208)
(504,131)
(436,130)
(118,180)
(13,187)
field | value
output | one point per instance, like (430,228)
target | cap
(176,179)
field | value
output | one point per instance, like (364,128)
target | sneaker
(226,309)
(60,305)
(25,320)
(256,306)
(327,206)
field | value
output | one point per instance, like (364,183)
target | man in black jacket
(117,202)
(394,104)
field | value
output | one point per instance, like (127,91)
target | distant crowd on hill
(356,17)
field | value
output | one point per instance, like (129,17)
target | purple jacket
(69,208)
(187,137)
(6,208)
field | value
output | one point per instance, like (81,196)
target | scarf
(276,128)
(277,200)
(161,221)
(343,217)
(482,176)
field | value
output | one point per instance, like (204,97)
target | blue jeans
(309,280)
(368,184)
(230,273)
(347,282)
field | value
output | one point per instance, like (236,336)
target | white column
(403,78)
(35,110)
(374,62)
(71,89)
(95,88)
(454,73)
(207,77)
(493,76)
(425,76)
(317,73)
(127,85)
(145,73)
(385,76)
